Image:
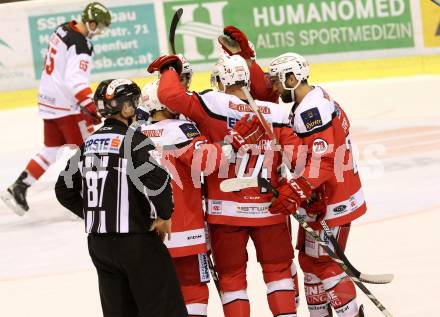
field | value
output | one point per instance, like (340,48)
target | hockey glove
(246,131)
(291,194)
(90,114)
(164,62)
(235,34)
(315,205)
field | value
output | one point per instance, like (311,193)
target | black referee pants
(136,276)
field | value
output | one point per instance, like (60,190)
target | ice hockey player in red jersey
(178,143)
(235,217)
(329,172)
(324,128)
(65,99)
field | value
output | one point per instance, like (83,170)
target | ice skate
(15,196)
(361,311)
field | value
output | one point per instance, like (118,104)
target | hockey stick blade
(236,184)
(173,27)
(366,278)
(307,228)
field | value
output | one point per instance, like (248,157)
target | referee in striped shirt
(125,199)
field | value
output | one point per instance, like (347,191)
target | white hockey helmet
(186,69)
(230,70)
(290,63)
(150,101)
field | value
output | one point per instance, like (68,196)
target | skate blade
(9,201)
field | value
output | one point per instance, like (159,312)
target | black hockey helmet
(100,91)
(114,94)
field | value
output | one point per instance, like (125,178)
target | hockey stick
(214,275)
(173,28)
(267,185)
(210,262)
(304,224)
(257,112)
(366,278)
(235,184)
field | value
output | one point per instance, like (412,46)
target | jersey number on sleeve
(50,60)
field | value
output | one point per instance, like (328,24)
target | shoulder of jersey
(314,114)
(72,38)
(215,103)
(171,132)
(276,113)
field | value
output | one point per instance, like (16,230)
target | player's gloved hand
(291,194)
(90,114)
(235,34)
(165,62)
(316,204)
(246,131)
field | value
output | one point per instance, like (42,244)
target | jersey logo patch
(103,143)
(189,130)
(320,146)
(311,118)
(153,133)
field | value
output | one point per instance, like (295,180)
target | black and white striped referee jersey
(114,184)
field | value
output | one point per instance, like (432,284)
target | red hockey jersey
(330,167)
(215,113)
(175,146)
(323,128)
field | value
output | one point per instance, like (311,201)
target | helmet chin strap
(91,33)
(292,90)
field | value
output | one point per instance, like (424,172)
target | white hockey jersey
(64,85)
(215,113)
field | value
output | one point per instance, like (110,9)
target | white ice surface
(44,264)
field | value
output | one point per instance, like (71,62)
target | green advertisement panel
(131,42)
(309,27)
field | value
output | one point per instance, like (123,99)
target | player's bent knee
(233,281)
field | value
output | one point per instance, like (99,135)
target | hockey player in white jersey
(178,147)
(65,99)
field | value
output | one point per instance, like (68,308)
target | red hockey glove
(245,50)
(315,205)
(90,114)
(291,194)
(246,131)
(164,62)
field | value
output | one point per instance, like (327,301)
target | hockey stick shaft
(214,275)
(210,262)
(173,27)
(307,228)
(366,278)
(347,270)
(236,184)
(331,253)
(257,112)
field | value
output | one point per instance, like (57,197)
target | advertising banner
(130,43)
(309,27)
(431,23)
